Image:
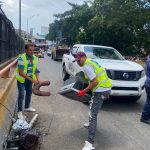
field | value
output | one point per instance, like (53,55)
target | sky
(39,12)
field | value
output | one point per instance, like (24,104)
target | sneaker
(145,120)
(88,146)
(30,109)
(20,115)
(86,125)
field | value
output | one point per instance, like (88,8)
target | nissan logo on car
(126,75)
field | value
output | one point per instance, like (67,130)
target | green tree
(123,24)
(70,22)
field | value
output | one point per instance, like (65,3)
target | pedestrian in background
(26,74)
(145,117)
(100,85)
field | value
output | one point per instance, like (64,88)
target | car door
(71,59)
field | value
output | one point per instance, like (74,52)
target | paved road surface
(118,127)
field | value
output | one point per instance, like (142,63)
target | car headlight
(142,73)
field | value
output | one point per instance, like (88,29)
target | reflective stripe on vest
(35,62)
(101,75)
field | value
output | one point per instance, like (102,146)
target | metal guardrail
(7,63)
(6,71)
(10,43)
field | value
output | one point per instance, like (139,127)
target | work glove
(81,93)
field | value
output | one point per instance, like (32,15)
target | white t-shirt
(89,70)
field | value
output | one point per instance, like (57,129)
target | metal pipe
(28,19)
(20,18)
(27,30)
(4,73)
(33,121)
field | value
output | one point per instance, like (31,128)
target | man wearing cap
(145,117)
(100,85)
(26,74)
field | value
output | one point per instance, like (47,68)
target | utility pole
(27,30)
(28,19)
(20,18)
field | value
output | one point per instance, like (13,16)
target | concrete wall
(9,100)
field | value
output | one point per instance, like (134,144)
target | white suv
(127,77)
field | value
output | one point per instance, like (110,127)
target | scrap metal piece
(20,124)
(71,88)
(23,136)
(72,94)
(23,140)
(30,141)
(36,89)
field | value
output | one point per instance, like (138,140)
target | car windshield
(103,53)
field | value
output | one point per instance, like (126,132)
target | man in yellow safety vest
(26,74)
(100,85)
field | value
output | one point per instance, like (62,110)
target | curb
(3,95)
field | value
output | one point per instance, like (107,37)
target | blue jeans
(146,110)
(22,87)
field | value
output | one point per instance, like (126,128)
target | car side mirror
(68,52)
(72,54)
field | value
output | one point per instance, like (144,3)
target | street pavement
(61,119)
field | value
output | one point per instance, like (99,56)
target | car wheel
(86,103)
(65,75)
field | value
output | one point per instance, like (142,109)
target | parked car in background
(127,77)
(38,52)
(49,52)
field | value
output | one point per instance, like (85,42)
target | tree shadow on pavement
(123,105)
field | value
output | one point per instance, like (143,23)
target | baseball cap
(79,55)
(28,45)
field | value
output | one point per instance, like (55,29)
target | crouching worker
(100,85)
(26,75)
